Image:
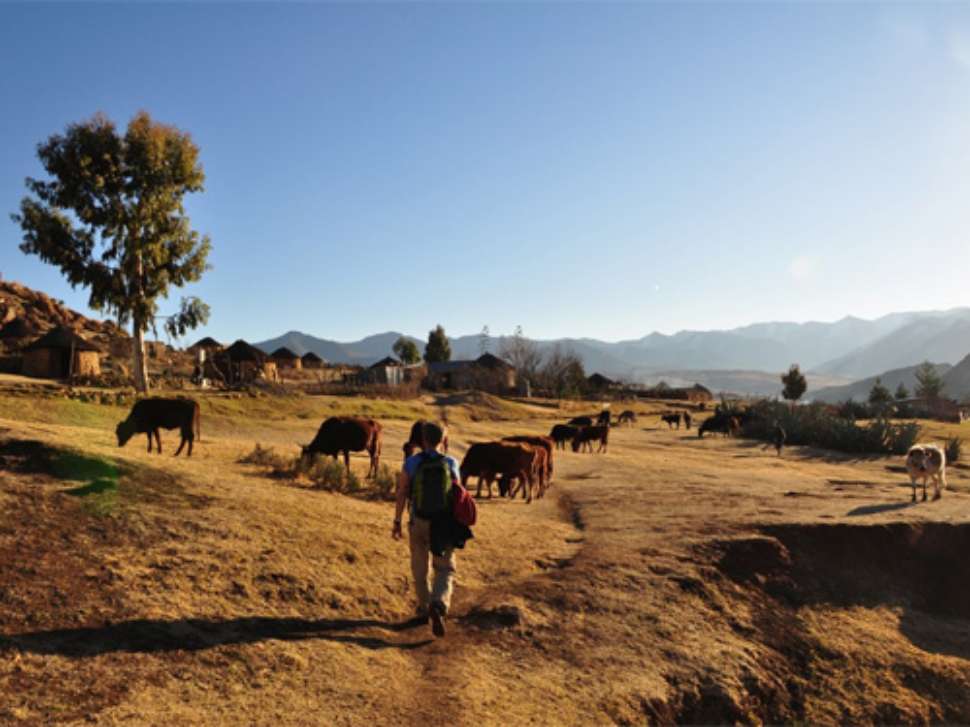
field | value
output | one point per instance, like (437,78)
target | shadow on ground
(195,634)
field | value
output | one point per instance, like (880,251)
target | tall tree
(929,385)
(522,353)
(111,217)
(562,372)
(406,350)
(880,399)
(902,392)
(484,341)
(794,384)
(438,348)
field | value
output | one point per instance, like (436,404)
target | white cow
(927,462)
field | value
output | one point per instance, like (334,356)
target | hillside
(859,390)
(944,338)
(156,590)
(746,383)
(956,381)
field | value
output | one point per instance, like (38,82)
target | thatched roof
(242,351)
(18,328)
(62,338)
(284,354)
(386,361)
(311,357)
(207,342)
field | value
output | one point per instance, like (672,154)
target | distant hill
(845,350)
(747,383)
(956,381)
(859,390)
(943,337)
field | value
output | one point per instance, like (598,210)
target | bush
(816,425)
(263,456)
(331,475)
(385,484)
(953,448)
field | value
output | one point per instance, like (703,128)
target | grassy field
(670,580)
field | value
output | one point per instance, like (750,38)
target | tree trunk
(141,365)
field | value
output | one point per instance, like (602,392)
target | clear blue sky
(600,170)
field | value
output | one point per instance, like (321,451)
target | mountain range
(751,356)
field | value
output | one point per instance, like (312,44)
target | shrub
(953,449)
(331,475)
(263,456)
(818,426)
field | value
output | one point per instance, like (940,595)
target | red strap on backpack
(464,510)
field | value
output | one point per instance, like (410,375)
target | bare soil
(670,580)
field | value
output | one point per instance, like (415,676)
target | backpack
(431,487)
(464,511)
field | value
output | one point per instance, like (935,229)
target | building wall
(87,363)
(289,363)
(52,363)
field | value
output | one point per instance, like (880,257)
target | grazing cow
(778,437)
(686,416)
(581,421)
(149,415)
(671,419)
(927,462)
(716,423)
(487,460)
(626,417)
(536,440)
(561,433)
(587,435)
(416,441)
(348,434)
(603,419)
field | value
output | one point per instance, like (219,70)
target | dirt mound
(908,565)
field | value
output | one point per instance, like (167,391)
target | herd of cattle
(518,463)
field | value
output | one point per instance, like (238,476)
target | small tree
(794,384)
(438,348)
(880,399)
(111,217)
(406,350)
(929,385)
(562,373)
(901,392)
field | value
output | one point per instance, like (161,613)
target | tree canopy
(406,350)
(111,217)
(902,392)
(880,398)
(794,384)
(522,353)
(438,348)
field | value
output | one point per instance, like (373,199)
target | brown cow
(582,421)
(486,460)
(587,435)
(626,417)
(539,468)
(149,415)
(537,440)
(671,418)
(561,433)
(416,442)
(348,434)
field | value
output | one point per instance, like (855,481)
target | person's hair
(432,433)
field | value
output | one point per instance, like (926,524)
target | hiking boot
(438,619)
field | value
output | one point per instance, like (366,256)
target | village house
(311,361)
(60,354)
(487,373)
(286,359)
(243,363)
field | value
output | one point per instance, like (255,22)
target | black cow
(149,415)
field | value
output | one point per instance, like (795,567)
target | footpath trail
(670,580)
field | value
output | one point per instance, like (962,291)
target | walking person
(427,485)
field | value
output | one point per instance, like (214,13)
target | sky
(583,170)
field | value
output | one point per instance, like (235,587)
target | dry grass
(648,586)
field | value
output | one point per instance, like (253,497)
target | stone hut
(286,359)
(247,363)
(387,371)
(60,354)
(311,361)
(486,373)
